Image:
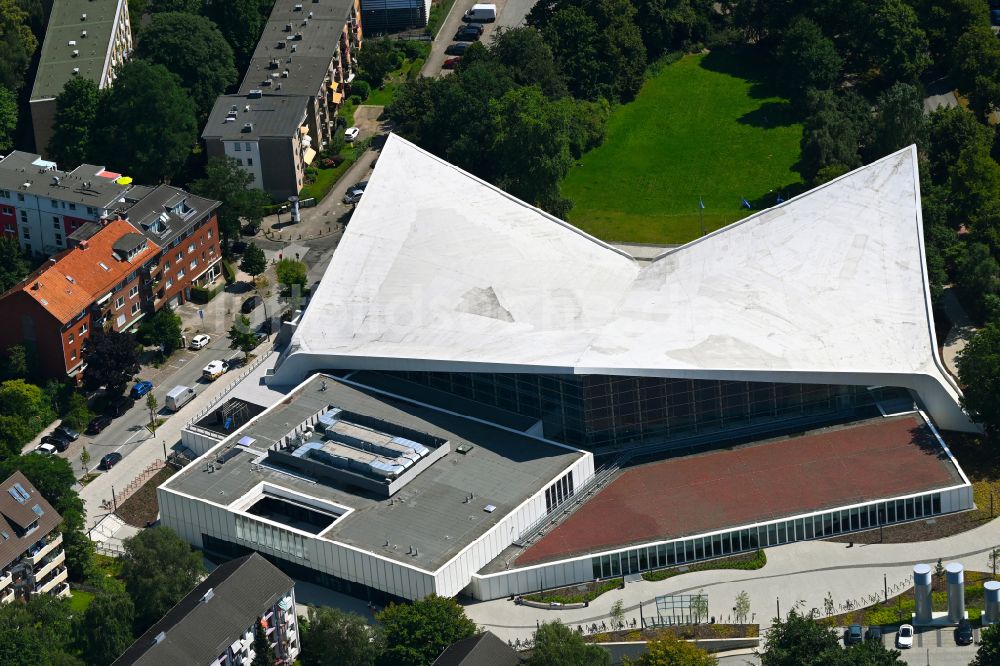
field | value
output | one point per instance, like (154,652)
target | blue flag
(746,203)
(701,203)
(780,199)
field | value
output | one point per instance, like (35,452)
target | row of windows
(5,194)
(675,553)
(283,541)
(559,492)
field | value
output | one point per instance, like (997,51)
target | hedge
(204,294)
(228,271)
(756,561)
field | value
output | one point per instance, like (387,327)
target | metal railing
(243,375)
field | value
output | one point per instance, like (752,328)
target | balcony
(5,579)
(48,567)
(59,576)
(7,596)
(51,542)
(62,590)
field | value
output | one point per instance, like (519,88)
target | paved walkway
(800,574)
(961,331)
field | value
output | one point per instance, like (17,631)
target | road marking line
(129,440)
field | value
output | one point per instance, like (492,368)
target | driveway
(510,14)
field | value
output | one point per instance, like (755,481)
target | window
(26,232)
(166,265)
(180,274)
(20,197)
(134,291)
(180,255)
(72,206)
(83,329)
(239,161)
(194,264)
(5,194)
(191,248)
(72,355)
(55,221)
(119,302)
(169,284)
(91,210)
(209,233)
(55,204)
(249,161)
(239,146)
(71,339)
(247,146)
(135,308)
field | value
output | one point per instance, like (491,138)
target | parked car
(904,638)
(58,442)
(66,433)
(214,370)
(98,424)
(45,449)
(452,63)
(853,635)
(468,33)
(250,304)
(874,634)
(353,195)
(120,405)
(963,633)
(350,134)
(109,460)
(179,396)
(200,341)
(458,48)
(140,389)
(481,13)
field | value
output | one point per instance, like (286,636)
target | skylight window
(38,510)
(103,265)
(18,492)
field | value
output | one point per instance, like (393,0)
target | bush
(228,272)
(203,295)
(414,48)
(562,596)
(362,89)
(355,100)
(414,70)
(743,562)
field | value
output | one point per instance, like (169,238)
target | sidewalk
(961,331)
(167,436)
(796,574)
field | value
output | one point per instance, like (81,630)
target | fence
(133,485)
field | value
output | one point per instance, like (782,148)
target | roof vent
(72,42)
(160,637)
(255,94)
(247,128)
(76,70)
(273,64)
(71,280)
(246,109)
(275,75)
(208,595)
(55,180)
(83,17)
(230,119)
(76,52)
(294,48)
(284,74)
(310,14)
(298,8)
(288,27)
(83,33)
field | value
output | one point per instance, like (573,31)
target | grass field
(703,127)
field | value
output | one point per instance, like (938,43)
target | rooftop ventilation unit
(298,8)
(266,83)
(255,94)
(55,180)
(247,128)
(281,44)
(284,74)
(208,595)
(160,637)
(83,17)
(76,52)
(72,42)
(83,33)
(273,64)
(246,109)
(288,27)
(310,14)
(294,48)
(76,70)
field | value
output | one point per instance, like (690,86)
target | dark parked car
(66,433)
(452,63)
(250,304)
(110,460)
(874,634)
(58,442)
(98,424)
(140,389)
(468,33)
(120,405)
(963,633)
(853,635)
(458,48)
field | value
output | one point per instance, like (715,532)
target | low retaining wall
(549,605)
(632,650)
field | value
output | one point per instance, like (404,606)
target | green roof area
(66,24)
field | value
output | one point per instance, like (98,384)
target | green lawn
(702,127)
(79,601)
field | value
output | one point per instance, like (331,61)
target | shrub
(204,294)
(228,272)
(355,100)
(744,562)
(362,89)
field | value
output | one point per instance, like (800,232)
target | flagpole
(701,214)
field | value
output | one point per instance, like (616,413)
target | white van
(481,14)
(178,397)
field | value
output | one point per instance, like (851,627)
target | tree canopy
(671,651)
(76,112)
(39,631)
(241,22)
(14,265)
(107,627)
(17,44)
(162,329)
(229,183)
(808,59)
(291,272)
(193,48)
(254,262)
(377,59)
(558,645)
(160,568)
(416,633)
(8,118)
(111,360)
(241,335)
(331,637)
(146,123)
(976,68)
(979,372)
(24,410)
(989,647)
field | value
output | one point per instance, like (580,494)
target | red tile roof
(75,278)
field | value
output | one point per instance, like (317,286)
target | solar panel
(4,535)
(20,489)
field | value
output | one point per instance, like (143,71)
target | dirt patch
(142,508)
(366,119)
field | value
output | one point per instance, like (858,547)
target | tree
(671,651)
(988,653)
(799,640)
(25,409)
(193,48)
(8,118)
(14,265)
(152,405)
(416,633)
(899,119)
(254,262)
(159,569)
(182,6)
(331,637)
(77,414)
(241,336)
(291,272)
(668,25)
(17,45)
(950,130)
(111,360)
(241,22)
(945,21)
(107,627)
(834,133)
(897,44)
(229,183)
(529,60)
(976,68)
(38,631)
(146,123)
(742,608)
(85,458)
(76,113)
(979,372)
(975,185)
(21,361)
(699,606)
(992,558)
(872,653)
(377,59)
(163,329)
(808,58)
(617,613)
(263,654)
(558,645)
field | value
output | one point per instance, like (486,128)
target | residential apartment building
(84,38)
(41,205)
(215,624)
(285,109)
(385,16)
(32,560)
(160,243)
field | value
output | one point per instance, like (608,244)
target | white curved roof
(439,270)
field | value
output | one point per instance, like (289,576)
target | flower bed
(747,561)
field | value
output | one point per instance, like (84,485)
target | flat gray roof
(502,468)
(56,65)
(29,173)
(268,115)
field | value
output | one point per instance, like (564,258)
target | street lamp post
(777,602)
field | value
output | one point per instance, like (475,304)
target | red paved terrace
(763,481)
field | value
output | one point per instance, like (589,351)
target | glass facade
(676,553)
(596,411)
